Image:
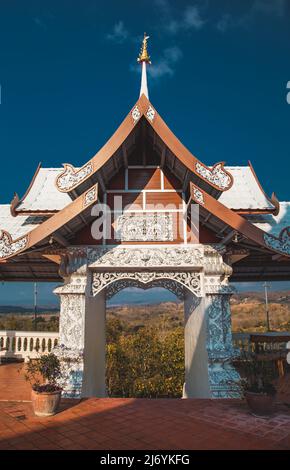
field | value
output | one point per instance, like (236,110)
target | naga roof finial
(144,56)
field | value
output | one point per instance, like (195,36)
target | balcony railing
(25,344)
(261,342)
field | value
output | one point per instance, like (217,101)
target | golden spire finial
(144,56)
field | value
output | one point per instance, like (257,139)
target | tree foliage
(147,363)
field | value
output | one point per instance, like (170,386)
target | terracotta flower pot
(45,403)
(260,404)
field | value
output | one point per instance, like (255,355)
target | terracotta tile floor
(124,424)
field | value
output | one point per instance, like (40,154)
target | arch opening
(144,342)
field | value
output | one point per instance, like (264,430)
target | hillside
(248,314)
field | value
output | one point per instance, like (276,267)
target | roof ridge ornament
(10,247)
(280,243)
(144,59)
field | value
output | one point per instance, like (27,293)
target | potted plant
(257,385)
(43,374)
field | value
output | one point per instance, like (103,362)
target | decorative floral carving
(71,326)
(190,280)
(224,380)
(71,360)
(219,347)
(148,227)
(214,285)
(281,244)
(217,175)
(135,113)
(168,284)
(71,177)
(146,257)
(197,195)
(150,113)
(90,196)
(8,247)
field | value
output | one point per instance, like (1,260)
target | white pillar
(71,338)
(195,341)
(82,336)
(94,378)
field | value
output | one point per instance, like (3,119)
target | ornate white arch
(173,286)
(175,281)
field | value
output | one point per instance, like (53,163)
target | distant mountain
(17,310)
(279,297)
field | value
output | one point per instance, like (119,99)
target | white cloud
(165,65)
(187,19)
(192,18)
(269,8)
(224,23)
(119,33)
(39,22)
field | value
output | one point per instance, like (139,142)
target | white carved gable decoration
(144,228)
(90,196)
(217,175)
(150,114)
(8,247)
(197,196)
(71,177)
(281,243)
(136,114)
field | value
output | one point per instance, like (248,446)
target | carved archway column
(82,330)
(72,334)
(222,375)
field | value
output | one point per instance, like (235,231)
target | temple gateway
(145,212)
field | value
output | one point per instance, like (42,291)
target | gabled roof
(273,224)
(246,194)
(43,196)
(67,221)
(227,222)
(215,178)
(17,226)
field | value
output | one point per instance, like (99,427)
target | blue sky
(219,75)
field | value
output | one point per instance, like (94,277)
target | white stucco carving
(144,257)
(189,280)
(90,196)
(169,284)
(9,247)
(281,243)
(217,175)
(197,196)
(150,113)
(149,227)
(71,177)
(135,113)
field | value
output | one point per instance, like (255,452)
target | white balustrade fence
(26,344)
